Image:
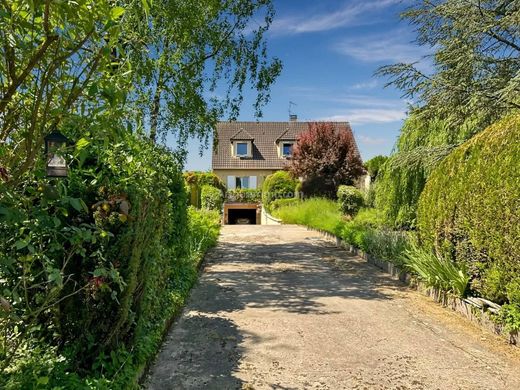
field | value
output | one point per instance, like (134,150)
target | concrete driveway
(277,307)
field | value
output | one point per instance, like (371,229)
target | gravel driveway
(277,307)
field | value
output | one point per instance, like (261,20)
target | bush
(374,165)
(469,213)
(211,198)
(276,186)
(350,199)
(277,203)
(109,260)
(196,180)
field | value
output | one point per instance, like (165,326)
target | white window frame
(282,143)
(249,148)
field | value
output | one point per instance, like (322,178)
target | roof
(265,136)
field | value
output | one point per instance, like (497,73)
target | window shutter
(252,182)
(231,182)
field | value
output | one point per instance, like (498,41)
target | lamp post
(56,163)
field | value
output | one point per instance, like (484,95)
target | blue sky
(330,50)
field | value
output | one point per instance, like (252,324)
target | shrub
(277,203)
(110,259)
(350,199)
(374,165)
(196,180)
(469,210)
(211,198)
(276,186)
(326,156)
(436,271)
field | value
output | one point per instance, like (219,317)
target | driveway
(277,307)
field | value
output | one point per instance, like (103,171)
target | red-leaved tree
(325,156)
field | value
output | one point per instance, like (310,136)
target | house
(248,152)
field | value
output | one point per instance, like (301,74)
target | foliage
(244,195)
(283,202)
(350,199)
(476,51)
(199,179)
(279,185)
(183,51)
(509,315)
(469,209)
(365,231)
(195,180)
(211,198)
(57,63)
(374,165)
(318,213)
(325,157)
(422,144)
(436,271)
(85,262)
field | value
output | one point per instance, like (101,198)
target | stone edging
(474,309)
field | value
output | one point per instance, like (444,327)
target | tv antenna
(291,104)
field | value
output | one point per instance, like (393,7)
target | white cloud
(371,140)
(394,46)
(367,85)
(358,116)
(351,14)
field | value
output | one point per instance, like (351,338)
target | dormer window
(242,149)
(287,149)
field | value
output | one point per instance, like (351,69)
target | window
(242,149)
(287,149)
(242,182)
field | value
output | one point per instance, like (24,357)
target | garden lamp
(56,163)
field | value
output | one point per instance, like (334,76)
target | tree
(476,60)
(187,52)
(93,69)
(56,64)
(325,156)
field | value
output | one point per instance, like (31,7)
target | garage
(242,213)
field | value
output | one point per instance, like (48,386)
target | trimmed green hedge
(278,185)
(211,198)
(470,210)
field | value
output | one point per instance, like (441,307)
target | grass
(317,213)
(365,231)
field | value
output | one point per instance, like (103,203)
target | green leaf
(20,244)
(116,12)
(146,6)
(76,203)
(81,144)
(43,380)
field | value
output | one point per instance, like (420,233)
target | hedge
(211,198)
(278,185)
(470,210)
(108,259)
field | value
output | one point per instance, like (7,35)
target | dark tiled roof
(242,135)
(265,136)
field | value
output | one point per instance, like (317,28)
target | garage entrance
(242,214)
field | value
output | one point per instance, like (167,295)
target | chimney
(293,118)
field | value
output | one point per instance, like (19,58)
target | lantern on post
(56,163)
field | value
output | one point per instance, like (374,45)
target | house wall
(260,174)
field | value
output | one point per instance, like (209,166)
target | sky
(330,50)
